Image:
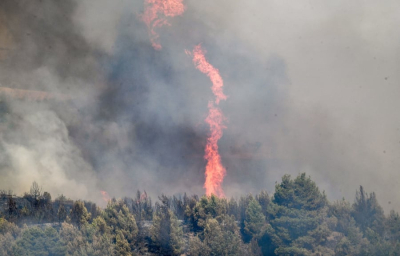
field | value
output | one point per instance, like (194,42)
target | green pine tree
(254,220)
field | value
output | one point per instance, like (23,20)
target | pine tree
(166,232)
(233,208)
(61,213)
(368,213)
(264,200)
(254,220)
(79,214)
(122,245)
(118,217)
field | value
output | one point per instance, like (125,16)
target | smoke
(338,122)
(43,51)
(312,87)
(40,150)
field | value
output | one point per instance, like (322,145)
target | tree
(46,206)
(296,220)
(264,200)
(61,213)
(297,216)
(87,241)
(46,198)
(79,214)
(35,191)
(120,221)
(7,245)
(300,193)
(35,241)
(94,210)
(206,207)
(243,203)
(8,227)
(166,232)
(233,208)
(35,194)
(222,237)
(255,219)
(8,233)
(189,218)
(368,213)
(12,208)
(75,242)
(178,207)
(393,227)
(197,247)
(122,245)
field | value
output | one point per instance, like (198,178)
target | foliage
(166,232)
(219,238)
(300,193)
(35,241)
(367,212)
(255,219)
(79,214)
(122,223)
(296,220)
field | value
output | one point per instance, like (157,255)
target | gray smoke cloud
(312,88)
(42,50)
(340,124)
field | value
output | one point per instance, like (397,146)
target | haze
(313,87)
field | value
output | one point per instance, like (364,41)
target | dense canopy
(296,220)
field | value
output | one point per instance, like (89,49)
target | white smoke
(46,155)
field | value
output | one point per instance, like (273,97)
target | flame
(105,195)
(156,14)
(215,171)
(202,64)
(143,197)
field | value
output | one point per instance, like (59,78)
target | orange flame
(105,195)
(215,171)
(156,14)
(143,197)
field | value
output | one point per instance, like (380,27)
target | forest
(297,219)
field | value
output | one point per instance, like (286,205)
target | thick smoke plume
(313,86)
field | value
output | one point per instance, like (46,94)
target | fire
(202,64)
(105,195)
(156,14)
(215,171)
(142,198)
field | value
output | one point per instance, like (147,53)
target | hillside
(296,220)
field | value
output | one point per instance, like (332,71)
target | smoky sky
(307,92)
(163,99)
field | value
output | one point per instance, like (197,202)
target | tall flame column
(215,171)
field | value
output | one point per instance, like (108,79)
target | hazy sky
(313,87)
